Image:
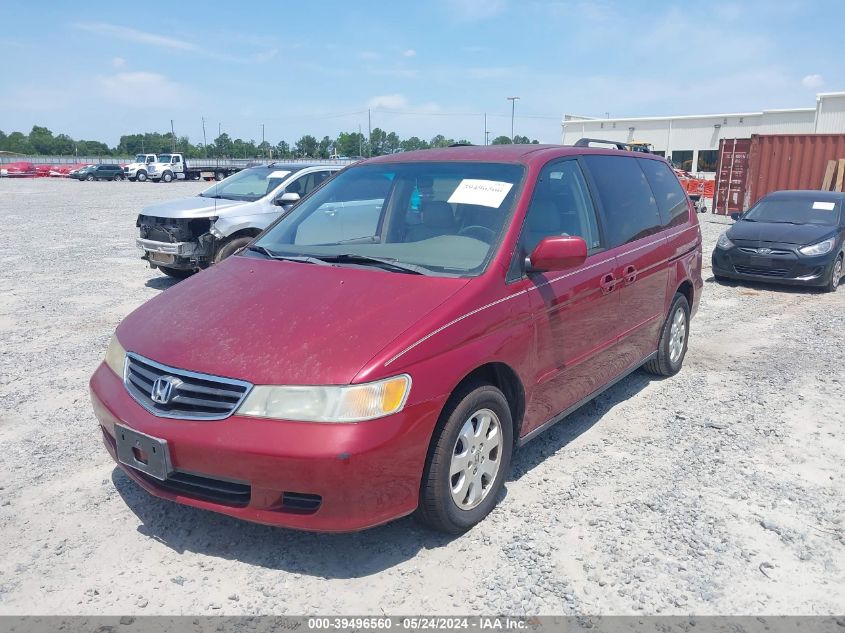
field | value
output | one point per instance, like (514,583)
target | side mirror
(735,216)
(558,253)
(286,199)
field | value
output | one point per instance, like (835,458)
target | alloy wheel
(476,459)
(677,335)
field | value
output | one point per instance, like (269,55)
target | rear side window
(671,198)
(630,210)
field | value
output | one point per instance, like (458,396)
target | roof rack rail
(585,142)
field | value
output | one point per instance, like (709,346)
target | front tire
(835,275)
(141,176)
(90,177)
(230,247)
(673,340)
(176,273)
(167,177)
(468,460)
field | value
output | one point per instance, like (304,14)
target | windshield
(442,218)
(140,158)
(248,184)
(795,211)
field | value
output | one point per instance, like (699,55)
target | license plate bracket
(161,258)
(761,262)
(143,452)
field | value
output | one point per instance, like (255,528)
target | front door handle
(608,283)
(630,274)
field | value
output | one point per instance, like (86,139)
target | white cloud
(409,53)
(265,56)
(476,10)
(130,88)
(134,35)
(812,81)
(118,62)
(154,39)
(400,103)
(491,72)
(389,102)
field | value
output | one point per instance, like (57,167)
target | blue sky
(99,71)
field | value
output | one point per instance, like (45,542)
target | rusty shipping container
(731,175)
(774,162)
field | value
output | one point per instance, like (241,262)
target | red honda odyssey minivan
(384,347)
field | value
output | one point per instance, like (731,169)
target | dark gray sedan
(788,237)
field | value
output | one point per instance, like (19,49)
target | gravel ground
(717,491)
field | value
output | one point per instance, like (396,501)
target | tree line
(41,141)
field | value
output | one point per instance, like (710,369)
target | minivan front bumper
(302,475)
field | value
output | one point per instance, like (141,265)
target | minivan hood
(195,207)
(282,323)
(798,234)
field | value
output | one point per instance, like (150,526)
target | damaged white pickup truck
(187,235)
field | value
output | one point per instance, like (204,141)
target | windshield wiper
(303,259)
(382,262)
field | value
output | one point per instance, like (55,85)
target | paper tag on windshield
(824,206)
(277,174)
(487,193)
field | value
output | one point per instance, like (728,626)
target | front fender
(226,226)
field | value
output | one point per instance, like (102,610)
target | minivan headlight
(334,403)
(724,242)
(115,356)
(818,249)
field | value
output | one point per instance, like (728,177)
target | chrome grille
(189,395)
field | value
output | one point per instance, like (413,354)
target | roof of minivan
(804,194)
(293,166)
(522,153)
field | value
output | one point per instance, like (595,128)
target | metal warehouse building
(691,142)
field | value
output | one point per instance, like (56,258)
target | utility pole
(513,101)
(486,132)
(369,133)
(204,140)
(219,134)
(173,134)
(264,149)
(360,142)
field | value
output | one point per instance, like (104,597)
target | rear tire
(219,176)
(468,460)
(117,178)
(835,275)
(176,273)
(230,247)
(673,340)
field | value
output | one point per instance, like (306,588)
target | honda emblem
(163,389)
